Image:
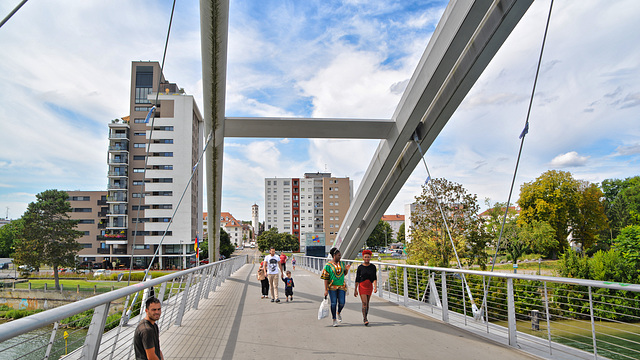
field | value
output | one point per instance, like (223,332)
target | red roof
(396,217)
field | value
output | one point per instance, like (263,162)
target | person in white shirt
(272,269)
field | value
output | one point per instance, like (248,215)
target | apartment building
(315,203)
(91,210)
(150,163)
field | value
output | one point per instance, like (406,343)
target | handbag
(261,275)
(324,309)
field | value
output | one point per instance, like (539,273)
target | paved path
(236,323)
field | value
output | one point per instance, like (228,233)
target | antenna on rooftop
(7,217)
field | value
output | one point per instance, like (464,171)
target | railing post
(405,293)
(183,303)
(161,292)
(546,309)
(445,301)
(53,337)
(94,334)
(199,292)
(380,284)
(511,313)
(593,327)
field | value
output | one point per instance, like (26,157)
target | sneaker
(339,318)
(335,323)
(292,298)
(277,300)
(287,299)
(272,300)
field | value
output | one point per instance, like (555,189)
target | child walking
(288,286)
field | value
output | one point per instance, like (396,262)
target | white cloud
(570,159)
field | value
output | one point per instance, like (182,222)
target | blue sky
(64,77)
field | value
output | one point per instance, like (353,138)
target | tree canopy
(429,239)
(226,247)
(279,241)
(622,204)
(400,234)
(8,234)
(48,235)
(381,235)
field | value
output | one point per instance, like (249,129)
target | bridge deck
(236,323)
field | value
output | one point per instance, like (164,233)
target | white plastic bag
(324,309)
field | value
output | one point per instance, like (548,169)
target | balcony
(116,186)
(105,237)
(117,136)
(119,251)
(116,199)
(118,161)
(117,174)
(117,212)
(118,148)
(103,251)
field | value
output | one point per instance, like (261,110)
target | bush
(17,314)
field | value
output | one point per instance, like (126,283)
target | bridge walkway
(236,323)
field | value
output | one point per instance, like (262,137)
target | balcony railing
(116,186)
(117,136)
(111,237)
(116,198)
(120,251)
(118,148)
(103,251)
(118,161)
(117,173)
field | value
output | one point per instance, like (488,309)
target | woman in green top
(334,285)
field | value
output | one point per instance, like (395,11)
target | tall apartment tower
(316,203)
(149,189)
(255,220)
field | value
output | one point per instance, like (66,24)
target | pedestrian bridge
(215,311)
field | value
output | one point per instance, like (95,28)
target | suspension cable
(151,115)
(522,136)
(6,18)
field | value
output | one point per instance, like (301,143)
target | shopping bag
(324,309)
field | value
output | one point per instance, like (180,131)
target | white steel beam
(466,39)
(307,128)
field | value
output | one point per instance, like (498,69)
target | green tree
(553,197)
(226,247)
(8,234)
(381,235)
(628,244)
(429,239)
(48,233)
(288,242)
(590,219)
(204,250)
(268,239)
(400,234)
(621,205)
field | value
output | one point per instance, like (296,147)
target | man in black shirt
(146,339)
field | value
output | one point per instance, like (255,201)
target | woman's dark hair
(334,251)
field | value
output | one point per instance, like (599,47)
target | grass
(71,285)
(547,267)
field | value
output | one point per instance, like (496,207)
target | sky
(64,77)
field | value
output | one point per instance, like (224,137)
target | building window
(80,198)
(138,121)
(335,188)
(86,246)
(163,141)
(139,145)
(287,182)
(163,154)
(138,170)
(268,182)
(86,233)
(138,157)
(139,133)
(81,209)
(162,167)
(137,183)
(86,221)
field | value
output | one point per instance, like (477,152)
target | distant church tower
(255,220)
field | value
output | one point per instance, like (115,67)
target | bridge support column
(445,301)
(511,313)
(94,335)
(185,299)
(405,292)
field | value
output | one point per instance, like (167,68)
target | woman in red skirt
(366,283)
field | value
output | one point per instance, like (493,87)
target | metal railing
(551,317)
(100,327)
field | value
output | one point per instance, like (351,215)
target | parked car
(26,268)
(4,266)
(99,273)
